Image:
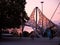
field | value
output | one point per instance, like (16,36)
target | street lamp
(36,17)
(42,12)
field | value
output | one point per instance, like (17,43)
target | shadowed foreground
(29,41)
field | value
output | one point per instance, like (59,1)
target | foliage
(12,13)
(25,34)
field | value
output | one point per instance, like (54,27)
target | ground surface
(29,41)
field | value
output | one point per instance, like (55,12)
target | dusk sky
(49,7)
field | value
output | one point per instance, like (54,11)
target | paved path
(29,41)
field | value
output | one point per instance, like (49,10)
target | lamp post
(42,11)
(42,5)
(36,17)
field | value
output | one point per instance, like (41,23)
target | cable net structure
(43,22)
(31,22)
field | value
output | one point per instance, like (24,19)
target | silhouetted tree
(32,34)
(25,34)
(12,13)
